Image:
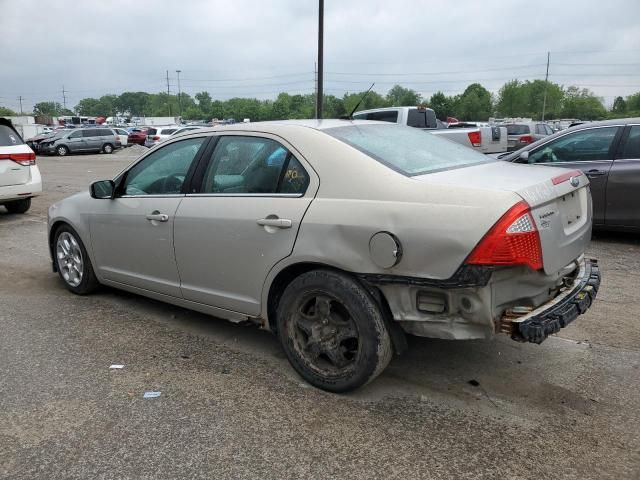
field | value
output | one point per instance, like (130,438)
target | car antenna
(350,116)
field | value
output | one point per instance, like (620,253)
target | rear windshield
(407,150)
(168,131)
(151,131)
(517,129)
(8,137)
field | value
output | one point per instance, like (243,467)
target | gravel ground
(231,407)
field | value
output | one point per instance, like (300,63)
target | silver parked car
(340,237)
(521,134)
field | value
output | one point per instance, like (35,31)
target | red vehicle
(138,135)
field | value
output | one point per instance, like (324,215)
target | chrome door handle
(595,173)
(275,222)
(158,217)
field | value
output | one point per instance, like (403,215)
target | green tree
(133,103)
(442,105)
(51,109)
(403,97)
(633,102)
(204,102)
(7,112)
(619,105)
(582,104)
(372,100)
(474,104)
(511,99)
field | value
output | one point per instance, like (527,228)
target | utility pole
(546,83)
(315,87)
(179,95)
(319,92)
(168,94)
(20,98)
(64,98)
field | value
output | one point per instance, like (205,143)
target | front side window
(253,165)
(75,135)
(163,172)
(584,145)
(407,150)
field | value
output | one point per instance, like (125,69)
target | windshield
(407,150)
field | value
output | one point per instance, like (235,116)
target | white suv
(19,176)
(155,135)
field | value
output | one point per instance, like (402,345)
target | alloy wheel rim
(70,261)
(325,334)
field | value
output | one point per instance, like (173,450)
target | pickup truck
(481,139)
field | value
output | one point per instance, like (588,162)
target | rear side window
(632,145)
(90,132)
(383,116)
(8,137)
(422,119)
(104,132)
(253,165)
(518,129)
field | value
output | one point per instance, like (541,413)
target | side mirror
(102,189)
(524,157)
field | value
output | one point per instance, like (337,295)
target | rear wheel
(72,261)
(18,206)
(107,148)
(62,150)
(333,331)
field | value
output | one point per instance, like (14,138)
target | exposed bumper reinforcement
(549,318)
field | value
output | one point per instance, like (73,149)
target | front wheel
(72,262)
(333,331)
(18,206)
(62,151)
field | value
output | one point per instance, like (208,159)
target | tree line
(516,98)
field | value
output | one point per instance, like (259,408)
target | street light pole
(319,94)
(179,99)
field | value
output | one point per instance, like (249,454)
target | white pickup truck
(482,139)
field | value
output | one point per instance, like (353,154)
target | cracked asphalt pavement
(232,407)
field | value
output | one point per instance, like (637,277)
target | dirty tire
(89,282)
(368,355)
(61,151)
(18,206)
(107,148)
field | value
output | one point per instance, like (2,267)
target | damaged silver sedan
(340,237)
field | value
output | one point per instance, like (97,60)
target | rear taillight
(25,159)
(526,139)
(513,240)
(475,138)
(156,137)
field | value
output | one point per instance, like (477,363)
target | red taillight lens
(156,137)
(25,159)
(526,139)
(475,138)
(513,240)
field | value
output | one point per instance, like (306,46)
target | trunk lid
(560,207)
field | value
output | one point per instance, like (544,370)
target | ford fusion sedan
(340,237)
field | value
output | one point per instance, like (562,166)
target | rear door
(12,172)
(623,186)
(242,219)
(590,150)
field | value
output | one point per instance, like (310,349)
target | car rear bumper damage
(536,325)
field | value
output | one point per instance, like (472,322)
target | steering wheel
(172,184)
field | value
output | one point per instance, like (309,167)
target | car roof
(275,125)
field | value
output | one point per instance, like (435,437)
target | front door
(623,187)
(76,142)
(242,220)
(132,234)
(590,150)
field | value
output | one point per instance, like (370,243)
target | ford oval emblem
(575,181)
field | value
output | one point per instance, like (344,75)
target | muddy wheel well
(287,275)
